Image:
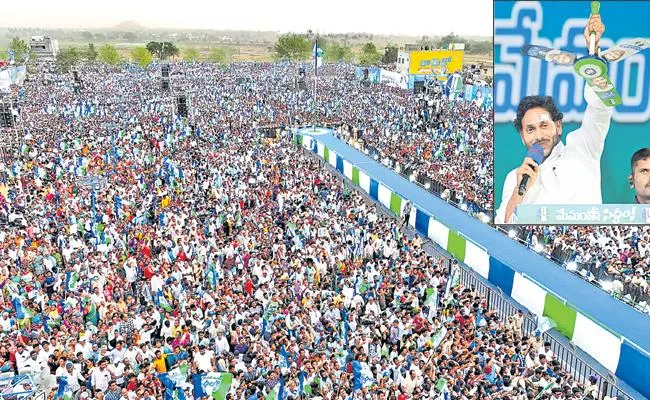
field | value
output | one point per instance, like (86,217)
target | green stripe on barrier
(456,246)
(326,154)
(395,204)
(561,314)
(355,175)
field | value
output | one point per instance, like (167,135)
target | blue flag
(118,206)
(480,319)
(212,384)
(172,392)
(60,392)
(284,358)
(281,390)
(18,306)
(356,371)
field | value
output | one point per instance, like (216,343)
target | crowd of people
(446,141)
(460,133)
(141,253)
(615,257)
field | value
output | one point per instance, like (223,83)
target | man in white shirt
(118,353)
(117,369)
(221,344)
(6,322)
(204,360)
(72,375)
(22,355)
(372,308)
(570,173)
(33,364)
(100,376)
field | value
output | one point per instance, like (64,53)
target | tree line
(298,47)
(68,56)
(290,46)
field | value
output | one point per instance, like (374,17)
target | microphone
(536,152)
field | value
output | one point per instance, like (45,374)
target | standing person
(570,173)
(73,376)
(101,376)
(408,207)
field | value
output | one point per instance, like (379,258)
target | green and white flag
(431,301)
(179,374)
(544,324)
(441,386)
(438,337)
(546,389)
(318,56)
(215,384)
(164,304)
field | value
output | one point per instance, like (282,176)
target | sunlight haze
(464,17)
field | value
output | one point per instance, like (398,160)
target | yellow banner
(426,62)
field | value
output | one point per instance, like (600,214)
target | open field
(255,52)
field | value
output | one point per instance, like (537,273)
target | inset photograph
(572,112)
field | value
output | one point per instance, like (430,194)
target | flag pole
(315,70)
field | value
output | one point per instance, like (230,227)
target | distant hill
(129,26)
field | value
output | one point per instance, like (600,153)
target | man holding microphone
(563,173)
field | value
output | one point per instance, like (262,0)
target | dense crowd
(451,144)
(446,141)
(616,257)
(141,253)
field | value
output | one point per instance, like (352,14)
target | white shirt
(571,174)
(204,361)
(221,345)
(73,378)
(117,370)
(101,378)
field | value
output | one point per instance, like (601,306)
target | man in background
(640,176)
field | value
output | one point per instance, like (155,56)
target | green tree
(108,54)
(336,53)
(91,52)
(130,36)
(21,50)
(450,38)
(162,50)
(67,57)
(479,47)
(87,35)
(292,46)
(219,55)
(369,54)
(390,54)
(141,56)
(426,41)
(191,54)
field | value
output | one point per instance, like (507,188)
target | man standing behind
(101,376)
(570,174)
(640,176)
